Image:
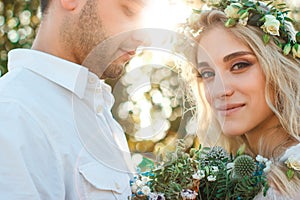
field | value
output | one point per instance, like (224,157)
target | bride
(248,89)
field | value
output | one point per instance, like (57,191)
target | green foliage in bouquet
(175,174)
(204,173)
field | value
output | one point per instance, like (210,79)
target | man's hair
(44,5)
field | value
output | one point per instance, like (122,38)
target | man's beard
(91,29)
(91,45)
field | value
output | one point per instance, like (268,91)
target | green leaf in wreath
(298,37)
(266,38)
(287,48)
(290,173)
(230,22)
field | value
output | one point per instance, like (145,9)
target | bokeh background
(150,102)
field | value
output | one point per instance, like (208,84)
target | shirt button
(92,80)
(99,109)
(98,90)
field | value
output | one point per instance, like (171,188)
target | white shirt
(58,139)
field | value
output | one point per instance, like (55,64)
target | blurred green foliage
(19,20)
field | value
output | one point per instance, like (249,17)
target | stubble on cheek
(91,28)
(81,33)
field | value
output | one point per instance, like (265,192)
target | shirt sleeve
(29,167)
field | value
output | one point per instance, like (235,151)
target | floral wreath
(271,17)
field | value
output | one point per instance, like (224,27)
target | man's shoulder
(22,83)
(33,92)
(25,96)
(16,80)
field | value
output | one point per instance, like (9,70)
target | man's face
(103,25)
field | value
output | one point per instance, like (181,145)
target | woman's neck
(269,139)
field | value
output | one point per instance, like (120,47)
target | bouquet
(203,173)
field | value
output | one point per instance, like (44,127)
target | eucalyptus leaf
(298,37)
(266,38)
(290,174)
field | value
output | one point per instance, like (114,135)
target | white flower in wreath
(271,25)
(293,163)
(243,21)
(232,10)
(193,19)
(213,2)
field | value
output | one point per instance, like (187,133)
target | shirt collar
(64,73)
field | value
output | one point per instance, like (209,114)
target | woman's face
(234,82)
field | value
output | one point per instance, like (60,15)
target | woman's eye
(206,74)
(239,66)
(129,12)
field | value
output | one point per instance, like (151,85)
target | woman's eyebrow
(202,64)
(236,54)
(227,58)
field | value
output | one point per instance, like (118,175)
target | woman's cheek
(208,95)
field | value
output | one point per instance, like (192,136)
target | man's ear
(69,4)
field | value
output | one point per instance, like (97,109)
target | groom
(58,139)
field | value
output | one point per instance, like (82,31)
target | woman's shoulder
(291,152)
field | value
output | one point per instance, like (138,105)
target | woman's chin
(232,132)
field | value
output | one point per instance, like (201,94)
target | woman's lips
(124,55)
(128,51)
(132,53)
(229,109)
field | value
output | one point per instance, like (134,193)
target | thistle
(215,156)
(244,165)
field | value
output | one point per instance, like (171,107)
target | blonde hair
(282,78)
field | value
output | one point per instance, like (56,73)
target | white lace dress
(272,194)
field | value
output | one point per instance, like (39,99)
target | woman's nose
(222,86)
(141,37)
